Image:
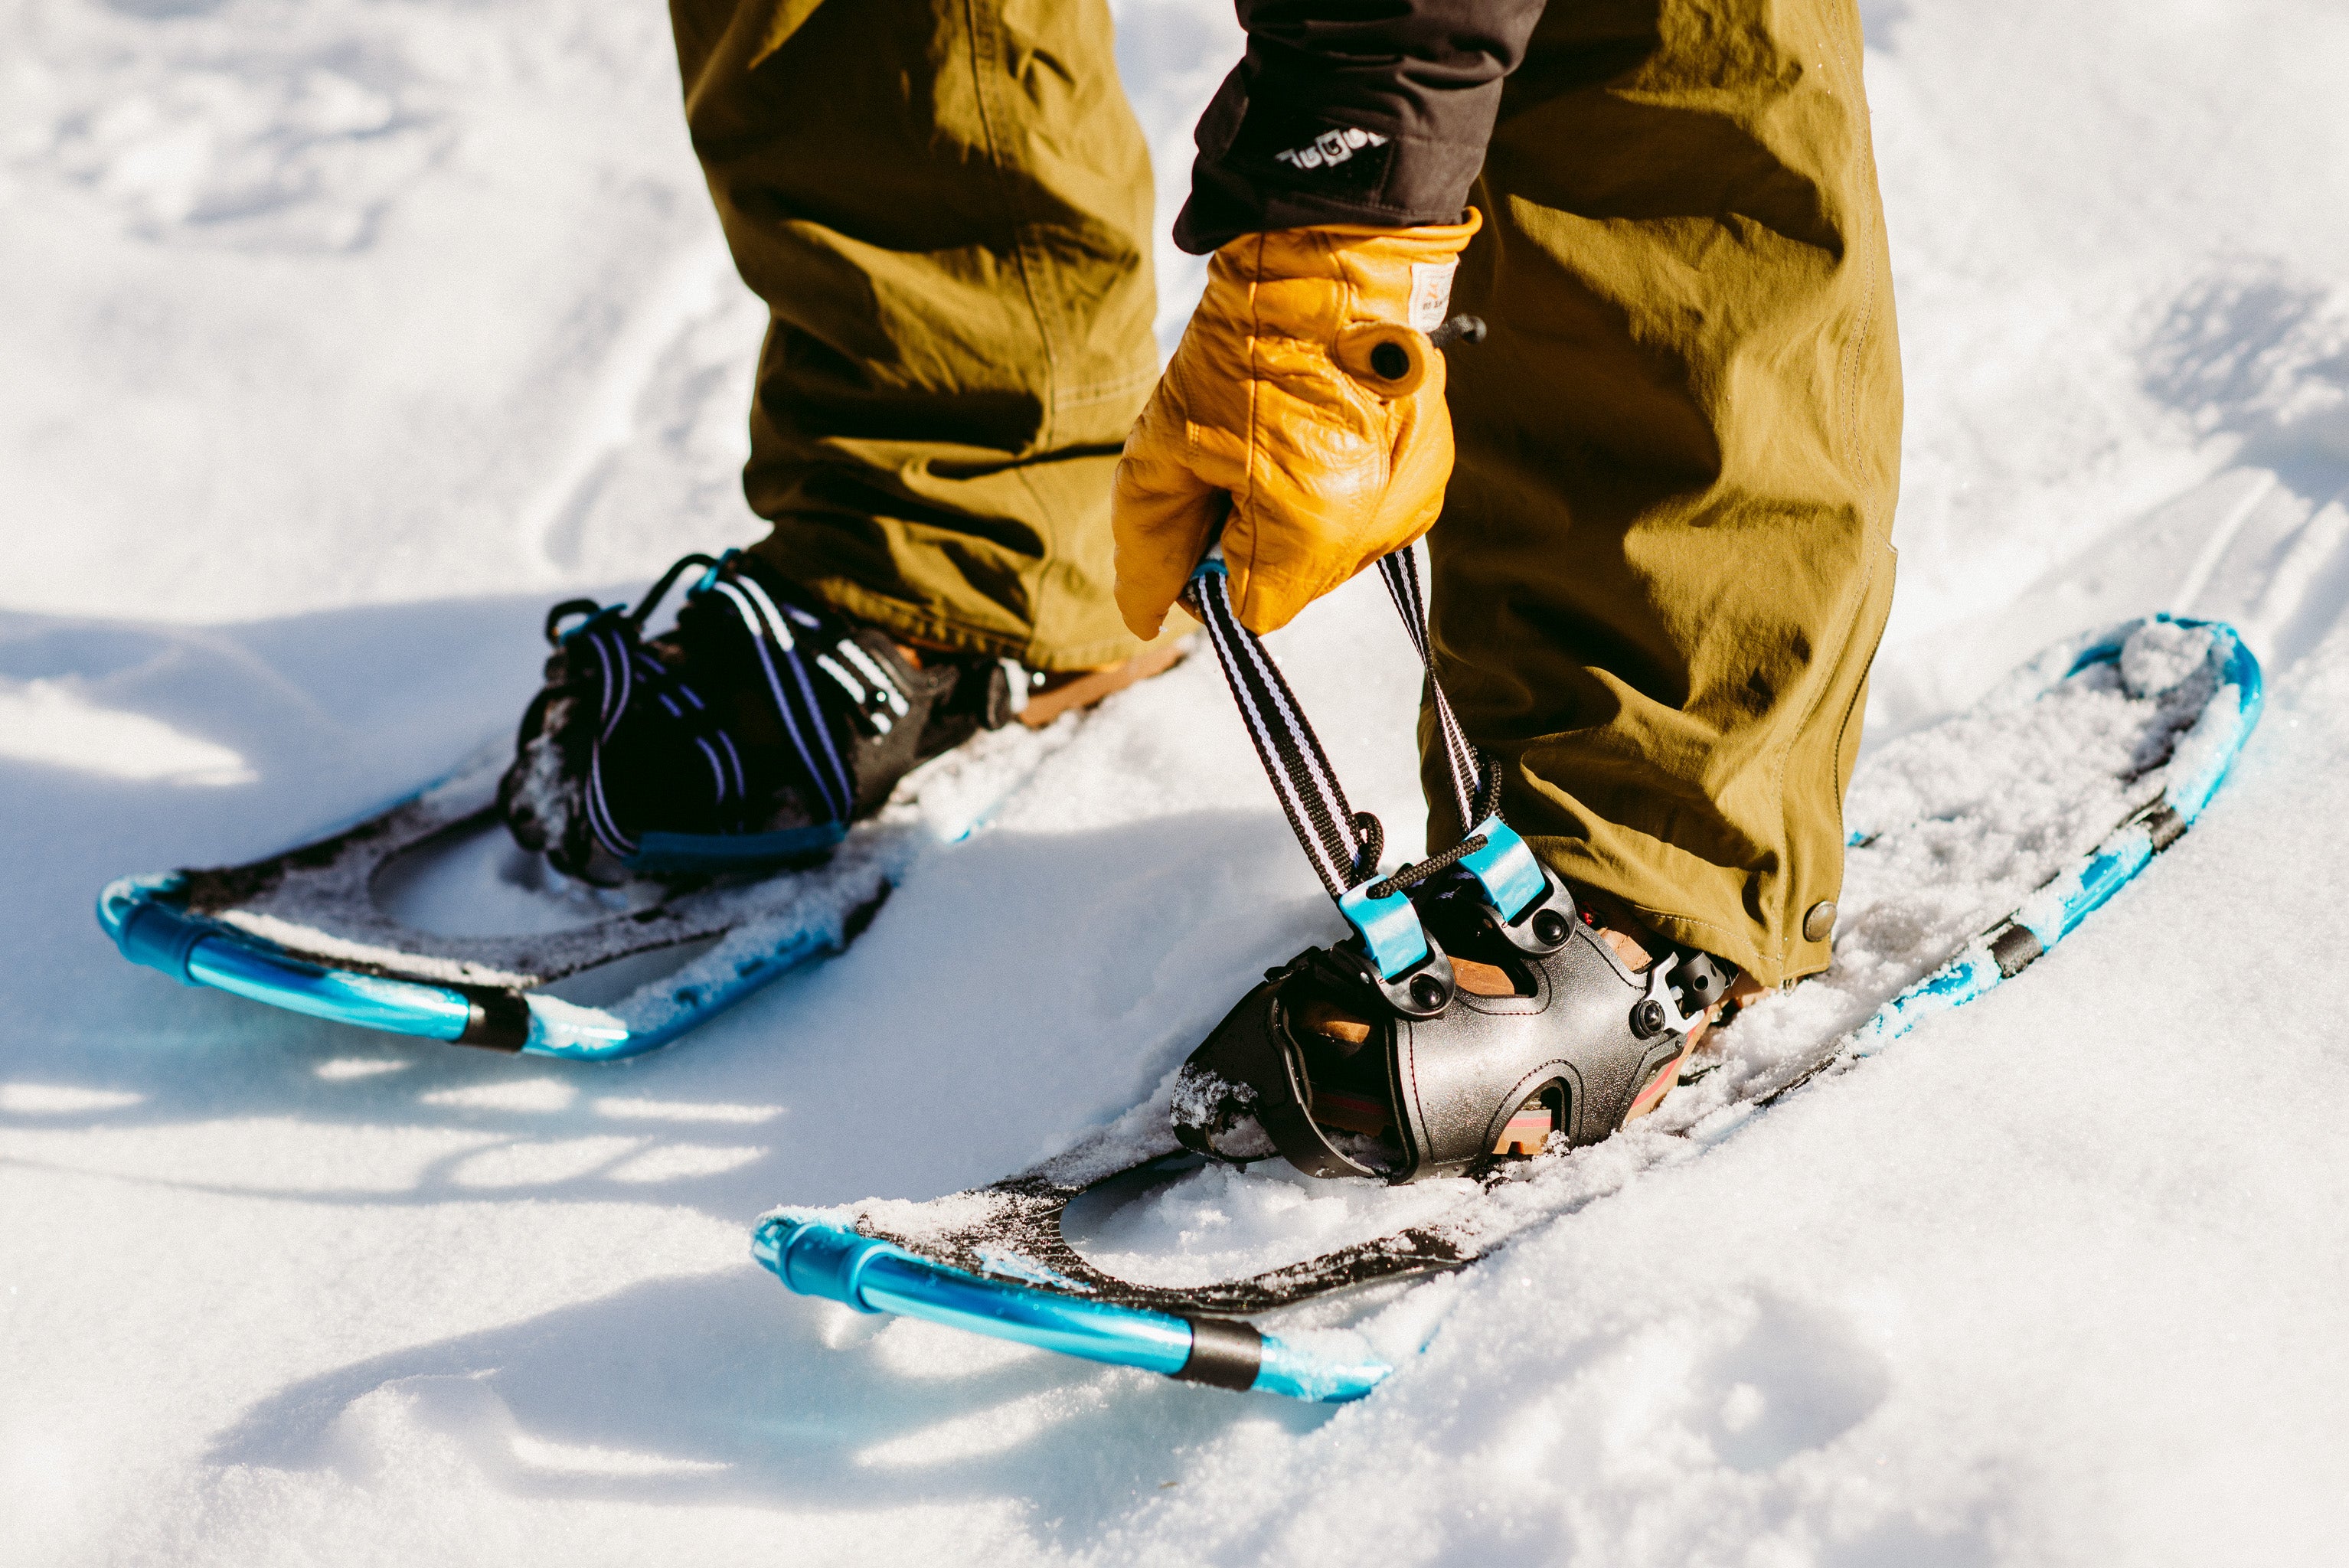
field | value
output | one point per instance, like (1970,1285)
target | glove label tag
(1431,293)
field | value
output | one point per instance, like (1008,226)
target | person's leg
(1665,555)
(946,206)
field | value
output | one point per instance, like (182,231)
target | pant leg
(1665,555)
(946,206)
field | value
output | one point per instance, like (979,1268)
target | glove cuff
(1400,276)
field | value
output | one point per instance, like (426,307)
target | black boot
(749,736)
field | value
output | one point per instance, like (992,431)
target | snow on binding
(1976,847)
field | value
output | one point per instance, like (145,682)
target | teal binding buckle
(1506,867)
(1390,928)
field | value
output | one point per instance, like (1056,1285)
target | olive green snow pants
(1664,559)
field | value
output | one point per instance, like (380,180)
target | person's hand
(1305,402)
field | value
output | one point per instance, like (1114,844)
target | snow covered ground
(341,336)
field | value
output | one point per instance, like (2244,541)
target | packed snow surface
(347,336)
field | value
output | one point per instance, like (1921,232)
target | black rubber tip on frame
(2013,950)
(498,1021)
(1224,1354)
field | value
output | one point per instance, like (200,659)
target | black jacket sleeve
(1370,112)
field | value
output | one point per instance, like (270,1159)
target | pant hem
(902,620)
(1742,944)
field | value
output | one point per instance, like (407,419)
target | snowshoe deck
(996,1260)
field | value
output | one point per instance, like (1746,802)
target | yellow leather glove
(1306,401)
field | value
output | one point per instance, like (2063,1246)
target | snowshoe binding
(751,736)
(694,795)
(1475,1012)
(1549,1034)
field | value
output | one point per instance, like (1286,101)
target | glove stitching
(1252,447)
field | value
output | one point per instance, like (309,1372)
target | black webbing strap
(1344,845)
(628,673)
(791,688)
(1401,570)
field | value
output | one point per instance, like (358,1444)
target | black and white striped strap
(623,666)
(789,663)
(784,662)
(1401,570)
(1343,845)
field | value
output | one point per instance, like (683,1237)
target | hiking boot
(751,735)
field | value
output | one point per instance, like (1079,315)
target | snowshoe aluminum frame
(302,930)
(1010,1273)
